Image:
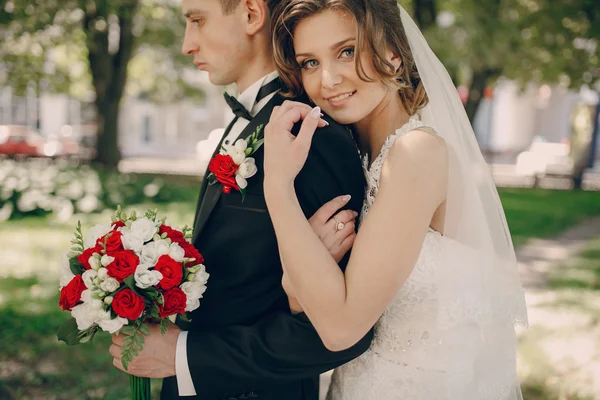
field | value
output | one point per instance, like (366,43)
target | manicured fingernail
(315,112)
(355,213)
(347,197)
(325,122)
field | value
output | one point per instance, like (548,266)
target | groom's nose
(330,78)
(190,45)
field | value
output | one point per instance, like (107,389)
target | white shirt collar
(248,97)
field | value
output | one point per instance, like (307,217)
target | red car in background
(20,140)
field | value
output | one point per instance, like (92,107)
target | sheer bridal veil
(479,285)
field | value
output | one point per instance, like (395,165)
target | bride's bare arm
(343,307)
(338,239)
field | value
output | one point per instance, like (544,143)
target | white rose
(241,182)
(66,275)
(241,145)
(108,324)
(152,251)
(106,260)
(145,278)
(176,252)
(248,168)
(236,155)
(193,290)
(144,228)
(90,296)
(131,241)
(110,285)
(192,304)
(95,233)
(85,315)
(102,274)
(201,276)
(94,261)
(88,278)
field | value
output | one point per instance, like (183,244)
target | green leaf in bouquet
(243,192)
(138,341)
(76,267)
(128,339)
(128,330)
(185,318)
(133,352)
(69,333)
(144,329)
(130,283)
(88,335)
(163,326)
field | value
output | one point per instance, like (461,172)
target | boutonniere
(233,166)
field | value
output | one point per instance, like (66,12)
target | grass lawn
(34,365)
(559,353)
(545,213)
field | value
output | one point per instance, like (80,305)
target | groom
(243,342)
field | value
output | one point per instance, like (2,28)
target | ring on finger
(340,225)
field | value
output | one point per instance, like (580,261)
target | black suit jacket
(243,342)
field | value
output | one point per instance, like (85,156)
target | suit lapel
(212,193)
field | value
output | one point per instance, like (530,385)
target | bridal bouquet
(123,274)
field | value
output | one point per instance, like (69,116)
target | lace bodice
(411,357)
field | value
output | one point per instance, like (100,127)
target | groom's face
(324,44)
(217,41)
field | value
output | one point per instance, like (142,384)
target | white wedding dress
(413,355)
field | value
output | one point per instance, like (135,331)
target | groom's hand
(156,359)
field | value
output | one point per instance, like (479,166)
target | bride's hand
(285,154)
(326,224)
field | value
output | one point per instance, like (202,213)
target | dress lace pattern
(412,357)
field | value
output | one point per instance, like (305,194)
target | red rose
(84,258)
(113,243)
(118,224)
(124,264)
(127,304)
(174,303)
(223,167)
(175,235)
(70,295)
(192,252)
(171,270)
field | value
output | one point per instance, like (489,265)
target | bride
(433,267)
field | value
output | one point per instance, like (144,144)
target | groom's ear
(257,13)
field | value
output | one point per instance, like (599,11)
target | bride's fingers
(327,210)
(347,244)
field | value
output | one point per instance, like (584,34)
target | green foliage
(52,44)
(544,41)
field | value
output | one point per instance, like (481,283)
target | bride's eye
(348,52)
(309,64)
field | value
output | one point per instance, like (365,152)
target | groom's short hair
(229,5)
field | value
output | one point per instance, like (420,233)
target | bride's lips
(340,99)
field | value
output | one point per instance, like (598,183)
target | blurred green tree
(543,41)
(102,47)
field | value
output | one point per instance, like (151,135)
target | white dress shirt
(248,100)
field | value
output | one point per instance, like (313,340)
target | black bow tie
(242,112)
(238,109)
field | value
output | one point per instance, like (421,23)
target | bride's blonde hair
(379,29)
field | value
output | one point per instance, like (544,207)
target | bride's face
(325,46)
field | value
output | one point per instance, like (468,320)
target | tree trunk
(425,12)
(478,84)
(109,71)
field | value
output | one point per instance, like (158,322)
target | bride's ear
(394,59)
